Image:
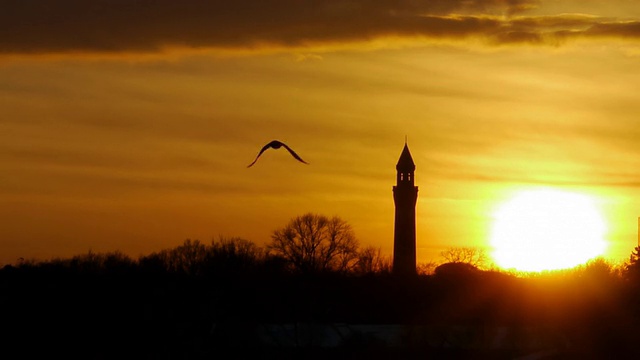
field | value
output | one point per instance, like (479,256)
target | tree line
(308,244)
(196,298)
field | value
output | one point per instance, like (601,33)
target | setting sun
(546,230)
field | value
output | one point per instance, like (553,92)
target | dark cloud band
(48,26)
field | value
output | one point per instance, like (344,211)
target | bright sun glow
(546,230)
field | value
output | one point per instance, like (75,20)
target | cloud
(146,26)
(623,29)
(556,182)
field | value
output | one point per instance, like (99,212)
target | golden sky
(128,125)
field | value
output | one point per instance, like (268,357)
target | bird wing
(260,153)
(294,153)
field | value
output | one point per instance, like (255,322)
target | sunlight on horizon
(547,229)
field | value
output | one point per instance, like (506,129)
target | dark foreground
(143,314)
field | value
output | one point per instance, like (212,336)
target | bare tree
(235,247)
(93,262)
(187,258)
(469,255)
(233,256)
(312,243)
(426,268)
(371,260)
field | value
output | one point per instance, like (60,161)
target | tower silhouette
(405,196)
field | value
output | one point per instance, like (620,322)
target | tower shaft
(405,196)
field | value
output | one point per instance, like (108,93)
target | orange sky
(128,125)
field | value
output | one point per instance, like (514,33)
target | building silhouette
(405,196)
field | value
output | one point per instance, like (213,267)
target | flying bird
(275,144)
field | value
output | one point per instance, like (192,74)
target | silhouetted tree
(632,268)
(235,247)
(370,260)
(468,255)
(599,267)
(426,268)
(188,258)
(233,255)
(635,255)
(111,262)
(315,243)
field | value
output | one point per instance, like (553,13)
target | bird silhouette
(275,144)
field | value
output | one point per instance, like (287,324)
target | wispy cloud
(113,26)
